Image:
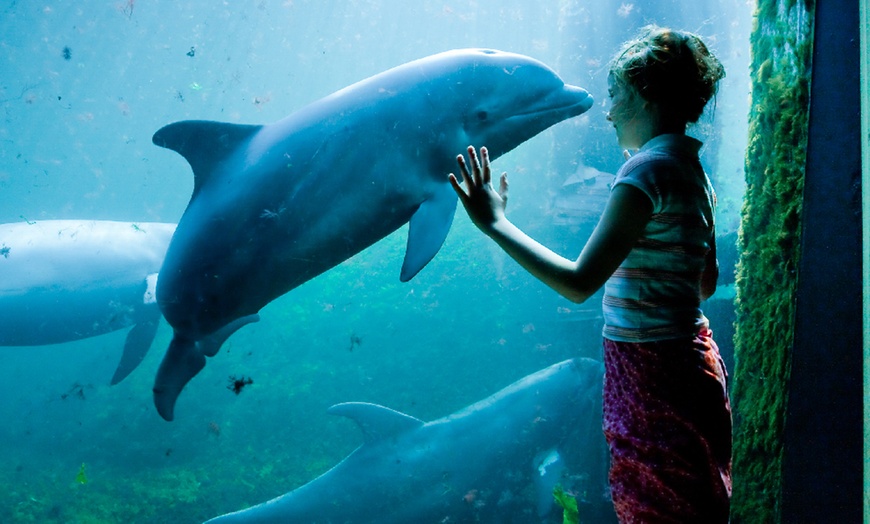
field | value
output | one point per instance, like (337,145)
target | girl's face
(629,115)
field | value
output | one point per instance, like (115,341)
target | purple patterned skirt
(667,420)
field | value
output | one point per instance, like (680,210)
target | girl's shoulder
(648,163)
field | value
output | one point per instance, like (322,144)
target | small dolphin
(64,280)
(476,465)
(276,205)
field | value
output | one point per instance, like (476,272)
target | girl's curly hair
(673,69)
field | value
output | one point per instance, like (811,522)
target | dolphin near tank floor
(476,465)
(64,280)
(273,206)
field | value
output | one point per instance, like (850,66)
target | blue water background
(75,143)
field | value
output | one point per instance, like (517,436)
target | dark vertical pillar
(823,438)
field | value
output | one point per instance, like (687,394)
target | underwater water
(85,85)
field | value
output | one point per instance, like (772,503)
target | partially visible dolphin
(276,205)
(476,465)
(64,280)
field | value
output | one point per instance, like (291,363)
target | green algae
(81,478)
(570,513)
(769,242)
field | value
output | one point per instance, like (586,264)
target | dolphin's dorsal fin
(376,422)
(428,229)
(203,143)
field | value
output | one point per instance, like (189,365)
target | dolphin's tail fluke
(183,360)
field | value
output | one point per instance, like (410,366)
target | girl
(667,417)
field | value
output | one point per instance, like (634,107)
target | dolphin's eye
(481,115)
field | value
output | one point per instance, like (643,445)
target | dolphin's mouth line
(553,109)
(587,100)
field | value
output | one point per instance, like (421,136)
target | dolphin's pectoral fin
(376,422)
(210,345)
(428,229)
(136,346)
(203,143)
(182,362)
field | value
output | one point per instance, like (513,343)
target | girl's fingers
(463,169)
(487,174)
(475,166)
(479,176)
(460,192)
(503,187)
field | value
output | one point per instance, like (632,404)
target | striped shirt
(655,293)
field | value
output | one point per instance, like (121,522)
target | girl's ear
(656,116)
(652,109)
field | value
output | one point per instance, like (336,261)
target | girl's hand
(484,205)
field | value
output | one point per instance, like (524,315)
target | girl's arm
(624,218)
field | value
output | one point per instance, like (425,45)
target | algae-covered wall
(769,244)
(865,161)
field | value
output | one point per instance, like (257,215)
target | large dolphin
(276,205)
(475,465)
(64,280)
